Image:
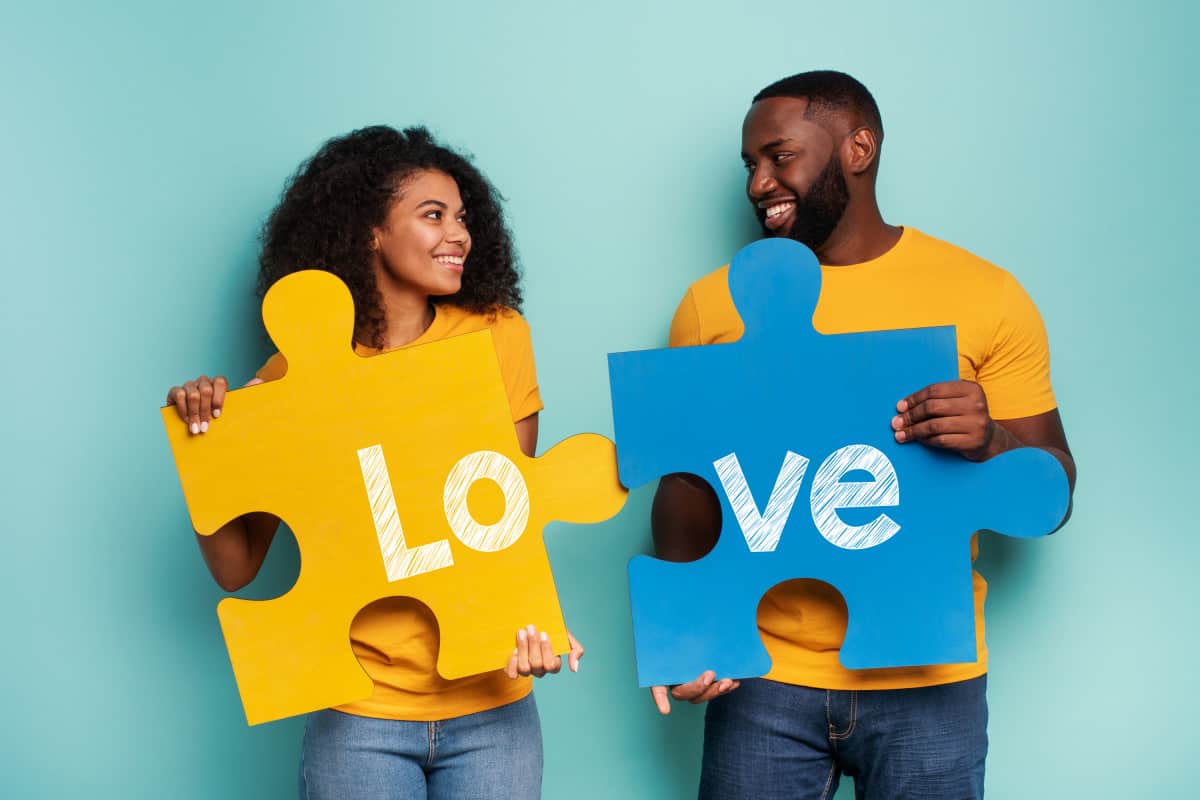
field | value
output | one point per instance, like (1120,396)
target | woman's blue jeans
(769,740)
(489,755)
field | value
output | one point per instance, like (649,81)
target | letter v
(762,531)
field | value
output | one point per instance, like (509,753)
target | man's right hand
(701,690)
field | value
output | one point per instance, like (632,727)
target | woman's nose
(457,232)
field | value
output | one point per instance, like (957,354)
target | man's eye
(749,165)
(780,157)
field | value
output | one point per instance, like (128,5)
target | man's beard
(822,207)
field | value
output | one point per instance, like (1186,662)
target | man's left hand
(951,415)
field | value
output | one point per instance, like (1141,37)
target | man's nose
(762,183)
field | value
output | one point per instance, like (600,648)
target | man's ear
(860,150)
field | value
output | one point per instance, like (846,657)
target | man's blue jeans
(769,740)
(491,754)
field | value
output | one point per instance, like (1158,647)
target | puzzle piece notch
(768,309)
(323,335)
(292,654)
(670,415)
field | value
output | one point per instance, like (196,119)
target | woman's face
(423,241)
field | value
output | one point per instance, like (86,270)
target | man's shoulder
(711,290)
(943,256)
(706,314)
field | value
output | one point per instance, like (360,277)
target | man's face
(795,180)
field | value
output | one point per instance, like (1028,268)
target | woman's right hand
(200,401)
(235,551)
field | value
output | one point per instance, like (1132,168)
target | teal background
(143,145)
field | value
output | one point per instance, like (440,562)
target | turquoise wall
(142,145)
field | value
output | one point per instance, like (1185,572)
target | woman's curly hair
(329,207)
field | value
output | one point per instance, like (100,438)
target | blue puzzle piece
(789,418)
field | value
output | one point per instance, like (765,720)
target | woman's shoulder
(510,331)
(502,320)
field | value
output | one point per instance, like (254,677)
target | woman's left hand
(535,656)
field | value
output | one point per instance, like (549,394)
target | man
(811,146)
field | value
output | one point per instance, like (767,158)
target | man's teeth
(456,260)
(778,208)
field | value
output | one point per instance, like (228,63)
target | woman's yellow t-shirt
(396,639)
(921,281)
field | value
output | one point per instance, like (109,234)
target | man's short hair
(829,91)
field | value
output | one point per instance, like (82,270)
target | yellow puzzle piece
(371,462)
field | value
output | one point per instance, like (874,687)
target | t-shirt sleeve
(274,369)
(1015,375)
(685,325)
(514,349)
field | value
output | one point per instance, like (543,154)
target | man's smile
(778,213)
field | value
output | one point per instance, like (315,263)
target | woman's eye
(434,215)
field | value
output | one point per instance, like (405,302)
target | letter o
(489,465)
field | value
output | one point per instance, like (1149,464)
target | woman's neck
(409,314)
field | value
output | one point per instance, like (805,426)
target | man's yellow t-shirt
(921,281)
(396,639)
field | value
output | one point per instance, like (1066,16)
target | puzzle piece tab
(791,429)
(370,461)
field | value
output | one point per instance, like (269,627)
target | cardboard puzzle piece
(382,468)
(791,429)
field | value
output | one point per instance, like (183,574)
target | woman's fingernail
(514,651)
(574,664)
(544,637)
(521,634)
(216,413)
(194,428)
(204,427)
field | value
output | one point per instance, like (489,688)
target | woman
(416,233)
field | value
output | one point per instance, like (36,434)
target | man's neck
(860,236)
